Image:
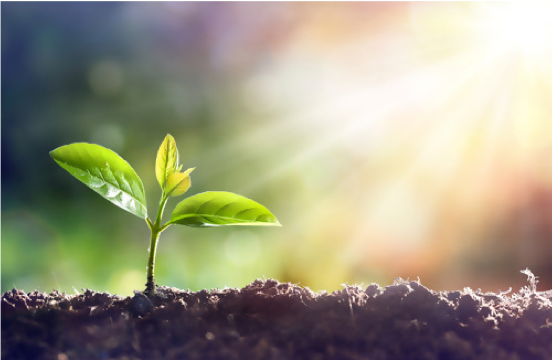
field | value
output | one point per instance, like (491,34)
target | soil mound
(272,320)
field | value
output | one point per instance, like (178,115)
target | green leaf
(215,208)
(166,161)
(178,183)
(106,173)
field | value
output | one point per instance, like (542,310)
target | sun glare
(518,26)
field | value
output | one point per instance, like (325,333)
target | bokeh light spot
(106,78)
(109,135)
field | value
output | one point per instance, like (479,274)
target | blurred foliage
(390,139)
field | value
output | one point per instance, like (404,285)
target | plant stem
(156,229)
(150,285)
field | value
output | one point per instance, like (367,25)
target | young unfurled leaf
(215,208)
(106,173)
(166,161)
(178,183)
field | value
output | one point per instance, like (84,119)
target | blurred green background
(390,140)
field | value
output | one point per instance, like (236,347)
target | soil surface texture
(271,320)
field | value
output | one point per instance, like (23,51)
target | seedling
(112,177)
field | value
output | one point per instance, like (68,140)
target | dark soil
(271,320)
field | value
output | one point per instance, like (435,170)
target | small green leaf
(166,161)
(178,183)
(106,173)
(215,208)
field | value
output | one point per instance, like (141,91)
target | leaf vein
(202,205)
(245,210)
(223,207)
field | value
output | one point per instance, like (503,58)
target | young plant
(112,177)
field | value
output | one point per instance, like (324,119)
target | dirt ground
(271,320)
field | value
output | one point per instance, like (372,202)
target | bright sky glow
(518,26)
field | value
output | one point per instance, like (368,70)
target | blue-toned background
(390,140)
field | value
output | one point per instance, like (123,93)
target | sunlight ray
(360,123)
(457,132)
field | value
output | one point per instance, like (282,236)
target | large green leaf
(215,208)
(106,173)
(166,161)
